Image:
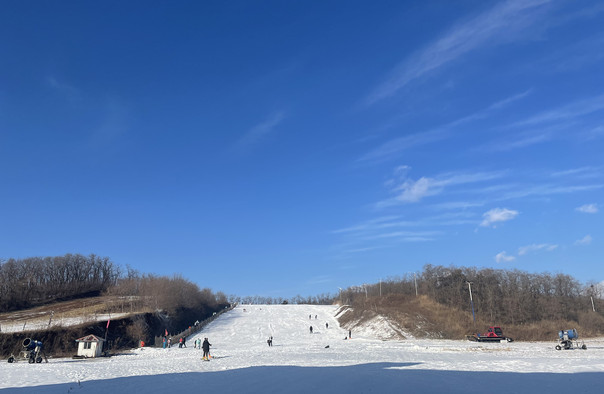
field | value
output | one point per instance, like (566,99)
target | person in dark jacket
(206,349)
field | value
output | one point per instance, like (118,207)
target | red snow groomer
(494,334)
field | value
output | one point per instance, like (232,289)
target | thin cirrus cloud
(565,113)
(260,131)
(535,248)
(410,191)
(588,208)
(551,124)
(63,88)
(393,147)
(497,215)
(498,24)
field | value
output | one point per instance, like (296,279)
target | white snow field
(321,362)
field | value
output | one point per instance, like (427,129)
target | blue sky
(294,147)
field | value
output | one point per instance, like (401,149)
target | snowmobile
(494,334)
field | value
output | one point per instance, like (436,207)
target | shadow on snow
(362,378)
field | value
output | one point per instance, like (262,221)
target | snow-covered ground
(41,323)
(321,362)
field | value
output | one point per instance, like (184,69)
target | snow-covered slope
(321,362)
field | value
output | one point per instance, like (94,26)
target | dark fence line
(194,329)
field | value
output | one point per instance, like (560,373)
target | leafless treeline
(321,299)
(162,293)
(31,281)
(499,296)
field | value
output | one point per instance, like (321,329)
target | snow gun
(569,339)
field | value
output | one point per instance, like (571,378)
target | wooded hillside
(526,303)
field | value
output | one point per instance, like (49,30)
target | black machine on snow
(494,334)
(33,352)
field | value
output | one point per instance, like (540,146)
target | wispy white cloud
(536,247)
(381,222)
(375,228)
(573,121)
(114,125)
(395,146)
(547,190)
(70,91)
(566,112)
(408,190)
(500,23)
(584,241)
(503,257)
(260,130)
(581,172)
(522,140)
(588,208)
(497,215)
(458,205)
(593,133)
(411,236)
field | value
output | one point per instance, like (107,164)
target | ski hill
(319,362)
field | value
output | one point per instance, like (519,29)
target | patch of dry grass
(425,318)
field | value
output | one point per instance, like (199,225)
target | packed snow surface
(319,362)
(42,323)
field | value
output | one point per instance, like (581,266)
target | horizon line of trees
(500,296)
(321,299)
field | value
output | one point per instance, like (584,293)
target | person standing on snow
(311,329)
(206,349)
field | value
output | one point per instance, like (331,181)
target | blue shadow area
(363,378)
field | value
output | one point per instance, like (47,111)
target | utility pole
(592,298)
(415,280)
(380,287)
(472,302)
(50,320)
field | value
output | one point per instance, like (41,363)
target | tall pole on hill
(415,280)
(592,298)
(472,302)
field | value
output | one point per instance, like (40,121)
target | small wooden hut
(90,346)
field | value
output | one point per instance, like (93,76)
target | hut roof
(90,338)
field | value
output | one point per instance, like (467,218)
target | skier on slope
(206,349)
